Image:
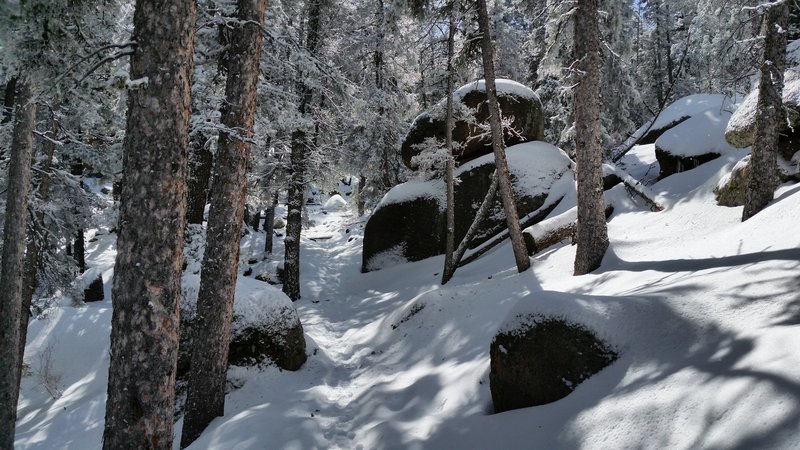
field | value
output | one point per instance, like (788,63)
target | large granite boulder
(265,327)
(409,222)
(732,188)
(741,129)
(516,101)
(698,138)
(680,111)
(543,360)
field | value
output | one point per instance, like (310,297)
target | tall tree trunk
(11,270)
(80,250)
(147,281)
(360,200)
(506,192)
(200,165)
(769,112)
(450,235)
(294,216)
(8,100)
(37,242)
(269,223)
(205,398)
(298,161)
(592,233)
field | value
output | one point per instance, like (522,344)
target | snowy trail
(704,309)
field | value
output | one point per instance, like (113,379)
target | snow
(256,304)
(535,164)
(745,115)
(502,85)
(336,202)
(701,134)
(703,309)
(689,106)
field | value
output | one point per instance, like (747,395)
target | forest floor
(703,309)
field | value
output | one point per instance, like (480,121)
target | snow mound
(335,203)
(503,85)
(699,135)
(536,165)
(740,131)
(256,304)
(686,107)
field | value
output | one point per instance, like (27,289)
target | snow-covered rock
(409,222)
(517,102)
(741,129)
(265,325)
(335,203)
(690,132)
(542,359)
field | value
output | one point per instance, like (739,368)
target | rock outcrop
(518,104)
(409,223)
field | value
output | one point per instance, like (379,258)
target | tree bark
(11,269)
(769,112)
(592,233)
(480,216)
(8,99)
(506,192)
(294,215)
(360,200)
(205,398)
(80,250)
(147,281)
(298,162)
(200,165)
(269,223)
(37,242)
(450,164)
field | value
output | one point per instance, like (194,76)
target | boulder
(671,164)
(741,129)
(732,188)
(542,361)
(402,231)
(409,222)
(335,203)
(680,111)
(516,101)
(279,340)
(694,141)
(94,292)
(265,326)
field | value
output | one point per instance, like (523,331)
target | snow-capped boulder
(741,129)
(517,102)
(732,188)
(542,359)
(335,203)
(697,137)
(679,111)
(265,326)
(409,222)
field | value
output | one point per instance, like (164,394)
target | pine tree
(769,111)
(146,289)
(506,192)
(449,264)
(11,271)
(205,399)
(592,234)
(300,149)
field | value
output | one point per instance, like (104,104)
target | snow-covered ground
(704,310)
